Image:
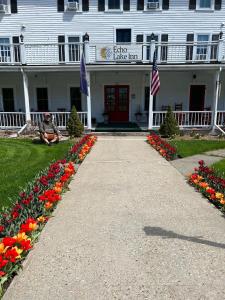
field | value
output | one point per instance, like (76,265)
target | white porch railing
(60,118)
(220,118)
(12,120)
(169,52)
(184,119)
(70,53)
(51,54)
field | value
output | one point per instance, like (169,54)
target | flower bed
(164,148)
(21,225)
(211,186)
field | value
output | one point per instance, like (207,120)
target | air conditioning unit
(73,6)
(3,8)
(152,5)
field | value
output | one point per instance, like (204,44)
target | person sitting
(49,133)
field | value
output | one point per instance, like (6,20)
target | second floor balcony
(104,53)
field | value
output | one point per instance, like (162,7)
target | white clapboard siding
(44,24)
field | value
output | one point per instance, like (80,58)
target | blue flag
(83,76)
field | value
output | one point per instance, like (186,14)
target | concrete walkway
(186,165)
(130,228)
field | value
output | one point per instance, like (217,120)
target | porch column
(26,96)
(150,111)
(216,99)
(89,125)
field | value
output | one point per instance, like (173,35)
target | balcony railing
(70,53)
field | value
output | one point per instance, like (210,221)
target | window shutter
(218,4)
(165,4)
(190,37)
(140,4)
(126,5)
(139,38)
(101,5)
(164,47)
(164,38)
(16,40)
(61,40)
(85,5)
(189,48)
(192,4)
(16,48)
(60,4)
(13,6)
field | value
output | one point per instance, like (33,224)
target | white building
(41,44)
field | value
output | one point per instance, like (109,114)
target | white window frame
(152,10)
(71,11)
(9,7)
(67,36)
(10,45)
(113,10)
(196,46)
(198,7)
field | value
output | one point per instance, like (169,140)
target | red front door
(117,103)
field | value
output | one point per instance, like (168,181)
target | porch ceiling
(111,67)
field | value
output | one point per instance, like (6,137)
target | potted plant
(106,117)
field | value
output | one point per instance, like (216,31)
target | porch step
(141,133)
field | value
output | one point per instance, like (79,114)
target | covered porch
(118,94)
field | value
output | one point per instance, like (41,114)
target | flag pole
(150,111)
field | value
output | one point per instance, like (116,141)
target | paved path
(186,165)
(130,228)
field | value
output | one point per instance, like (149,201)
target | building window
(8,99)
(5,53)
(205,4)
(74,48)
(123,36)
(75,98)
(161,47)
(146,106)
(42,99)
(202,47)
(114,5)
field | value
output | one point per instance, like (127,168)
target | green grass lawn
(191,147)
(21,161)
(219,168)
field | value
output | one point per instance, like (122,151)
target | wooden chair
(164,107)
(178,106)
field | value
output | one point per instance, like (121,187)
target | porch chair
(180,116)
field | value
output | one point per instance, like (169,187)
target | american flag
(155,83)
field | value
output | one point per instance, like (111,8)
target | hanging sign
(119,53)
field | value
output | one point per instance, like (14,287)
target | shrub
(74,126)
(169,127)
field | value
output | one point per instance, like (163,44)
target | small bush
(169,128)
(74,126)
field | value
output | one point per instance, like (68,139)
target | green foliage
(74,126)
(191,147)
(169,127)
(21,161)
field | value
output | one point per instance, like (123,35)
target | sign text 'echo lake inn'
(119,53)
